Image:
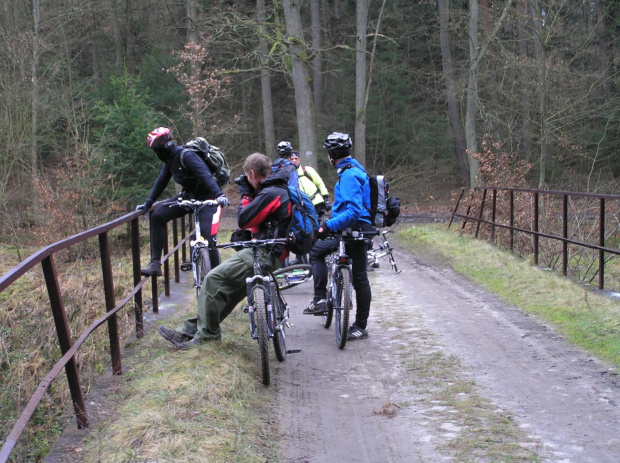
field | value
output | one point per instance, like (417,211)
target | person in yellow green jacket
(311,183)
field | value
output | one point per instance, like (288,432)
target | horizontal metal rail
(534,231)
(69,349)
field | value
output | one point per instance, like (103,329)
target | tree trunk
(129,36)
(526,96)
(317,68)
(472,95)
(453,108)
(192,36)
(541,59)
(360,81)
(301,81)
(35,91)
(265,81)
(605,59)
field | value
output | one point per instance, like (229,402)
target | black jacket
(196,179)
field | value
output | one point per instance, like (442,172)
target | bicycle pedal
(293,351)
(186,267)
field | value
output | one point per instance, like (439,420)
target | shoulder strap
(182,155)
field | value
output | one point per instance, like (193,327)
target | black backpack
(384,209)
(215,161)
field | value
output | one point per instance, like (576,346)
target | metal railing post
(564,235)
(512,219)
(175,241)
(493,215)
(135,258)
(535,227)
(110,303)
(601,243)
(484,197)
(166,266)
(64,339)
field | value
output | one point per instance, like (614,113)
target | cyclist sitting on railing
(265,210)
(197,182)
(350,210)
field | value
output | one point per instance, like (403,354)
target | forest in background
(531,82)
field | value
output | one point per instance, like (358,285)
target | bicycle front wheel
(203,266)
(342,305)
(260,318)
(279,334)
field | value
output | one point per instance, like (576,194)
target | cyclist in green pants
(264,209)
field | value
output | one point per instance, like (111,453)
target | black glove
(222,201)
(244,185)
(323,231)
(241,235)
(142,208)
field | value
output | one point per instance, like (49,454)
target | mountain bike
(382,250)
(268,311)
(200,249)
(340,284)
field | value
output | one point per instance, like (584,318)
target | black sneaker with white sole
(316,308)
(356,333)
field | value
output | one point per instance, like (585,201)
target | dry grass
(29,345)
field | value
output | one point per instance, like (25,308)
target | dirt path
(449,372)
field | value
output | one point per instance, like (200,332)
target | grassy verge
(583,316)
(204,404)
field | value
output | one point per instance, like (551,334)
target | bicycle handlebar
(354,234)
(195,203)
(255,243)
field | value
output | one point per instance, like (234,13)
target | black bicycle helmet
(199,144)
(159,138)
(338,145)
(285,149)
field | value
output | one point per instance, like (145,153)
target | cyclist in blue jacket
(350,210)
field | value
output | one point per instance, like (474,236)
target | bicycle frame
(340,285)
(384,249)
(199,242)
(276,311)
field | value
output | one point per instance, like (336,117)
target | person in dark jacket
(264,210)
(197,183)
(284,163)
(351,209)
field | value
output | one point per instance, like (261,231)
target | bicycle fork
(258,281)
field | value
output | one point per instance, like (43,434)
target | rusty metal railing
(478,202)
(45,257)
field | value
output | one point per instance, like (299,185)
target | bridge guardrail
(45,257)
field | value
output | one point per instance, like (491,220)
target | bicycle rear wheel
(331,297)
(203,266)
(279,334)
(260,318)
(342,305)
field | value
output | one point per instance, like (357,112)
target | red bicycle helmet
(159,137)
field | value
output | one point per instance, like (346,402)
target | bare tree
(265,79)
(451,94)
(301,81)
(360,80)
(317,67)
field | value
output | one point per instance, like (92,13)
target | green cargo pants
(222,289)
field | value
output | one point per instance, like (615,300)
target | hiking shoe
(356,333)
(316,308)
(186,345)
(153,269)
(173,336)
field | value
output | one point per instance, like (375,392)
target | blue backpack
(281,163)
(304,222)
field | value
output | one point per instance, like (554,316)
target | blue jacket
(351,196)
